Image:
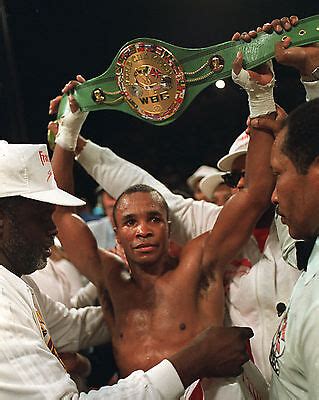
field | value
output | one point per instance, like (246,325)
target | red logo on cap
(50,174)
(44,158)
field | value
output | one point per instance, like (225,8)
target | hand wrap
(69,128)
(260,97)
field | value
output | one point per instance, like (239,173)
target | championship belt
(156,81)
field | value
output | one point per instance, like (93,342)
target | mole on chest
(182,326)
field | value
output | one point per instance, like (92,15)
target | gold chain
(200,77)
(113,93)
(121,98)
(197,70)
(187,73)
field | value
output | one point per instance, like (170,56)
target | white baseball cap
(239,147)
(25,170)
(201,172)
(208,184)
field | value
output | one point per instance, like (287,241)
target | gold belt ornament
(151,80)
(156,81)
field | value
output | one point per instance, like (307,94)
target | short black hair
(301,141)
(140,188)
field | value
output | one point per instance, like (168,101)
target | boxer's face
(142,228)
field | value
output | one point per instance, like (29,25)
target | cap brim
(209,184)
(55,196)
(226,162)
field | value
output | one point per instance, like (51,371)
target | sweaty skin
(151,311)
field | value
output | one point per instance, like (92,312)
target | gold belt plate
(151,80)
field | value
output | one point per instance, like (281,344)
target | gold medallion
(216,63)
(151,80)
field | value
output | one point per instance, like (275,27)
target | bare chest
(149,325)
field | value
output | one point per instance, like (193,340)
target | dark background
(44,44)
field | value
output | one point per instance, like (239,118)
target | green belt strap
(156,81)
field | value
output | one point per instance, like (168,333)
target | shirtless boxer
(157,307)
(161,304)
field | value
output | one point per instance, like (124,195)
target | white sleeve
(29,371)
(190,218)
(86,296)
(308,348)
(71,329)
(312,89)
(159,383)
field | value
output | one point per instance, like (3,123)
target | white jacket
(28,369)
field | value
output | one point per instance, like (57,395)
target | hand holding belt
(156,81)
